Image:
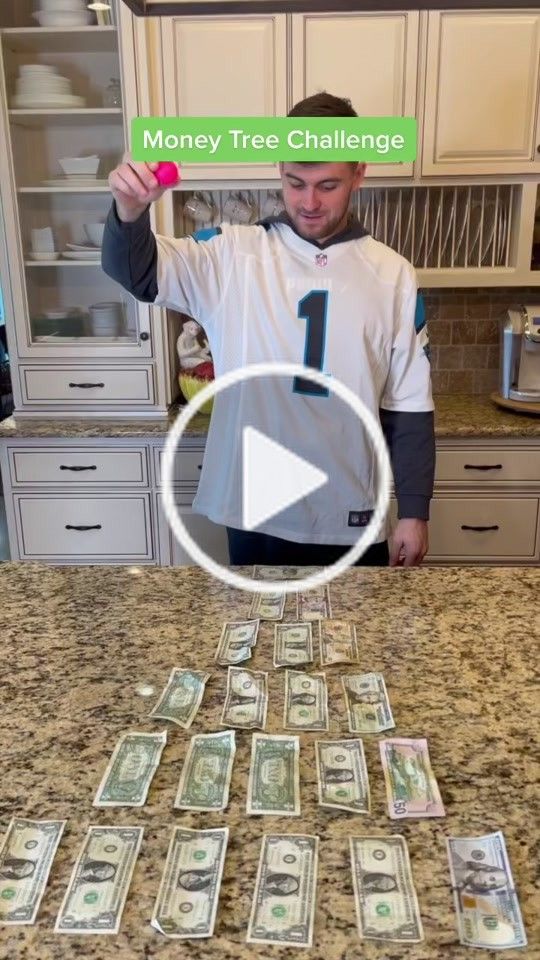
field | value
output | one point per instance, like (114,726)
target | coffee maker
(520,355)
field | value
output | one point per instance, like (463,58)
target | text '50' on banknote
(283,908)
(385,898)
(182,697)
(274,778)
(411,787)
(130,771)
(486,902)
(187,901)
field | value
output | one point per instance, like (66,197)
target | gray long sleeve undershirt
(129,256)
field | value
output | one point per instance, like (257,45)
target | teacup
(198,208)
(238,209)
(273,205)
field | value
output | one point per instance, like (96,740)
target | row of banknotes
(293,642)
(274,778)
(284,897)
(305,703)
(311,605)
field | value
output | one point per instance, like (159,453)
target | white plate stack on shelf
(107,319)
(63,13)
(40,86)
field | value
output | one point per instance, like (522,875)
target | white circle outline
(366,538)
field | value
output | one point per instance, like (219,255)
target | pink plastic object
(167,174)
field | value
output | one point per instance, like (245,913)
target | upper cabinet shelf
(56,40)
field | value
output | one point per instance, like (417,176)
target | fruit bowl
(190,385)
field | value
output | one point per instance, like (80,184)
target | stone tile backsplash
(463,327)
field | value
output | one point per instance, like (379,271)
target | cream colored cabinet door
(210,537)
(371,58)
(482,93)
(225,67)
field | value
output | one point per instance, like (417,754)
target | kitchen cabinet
(225,66)
(371,58)
(482,93)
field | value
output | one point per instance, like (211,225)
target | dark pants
(246,548)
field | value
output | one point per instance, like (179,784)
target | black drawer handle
(70,526)
(76,469)
(483,466)
(199,466)
(466,526)
(86,386)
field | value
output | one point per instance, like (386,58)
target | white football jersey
(265,294)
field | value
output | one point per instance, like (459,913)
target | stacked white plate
(63,13)
(107,319)
(39,85)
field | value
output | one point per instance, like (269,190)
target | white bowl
(44,256)
(81,166)
(63,6)
(63,18)
(94,232)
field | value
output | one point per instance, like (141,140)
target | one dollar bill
(237,639)
(306,701)
(25,862)
(246,702)
(99,884)
(486,902)
(268,606)
(411,787)
(338,642)
(206,775)
(274,779)
(182,697)
(293,644)
(313,604)
(131,768)
(283,573)
(283,908)
(385,898)
(368,706)
(342,775)
(187,900)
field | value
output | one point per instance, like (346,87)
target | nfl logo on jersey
(321,259)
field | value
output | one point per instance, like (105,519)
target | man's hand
(133,186)
(408,543)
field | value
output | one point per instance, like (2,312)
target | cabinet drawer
(84,528)
(78,466)
(187,465)
(86,386)
(487,465)
(510,527)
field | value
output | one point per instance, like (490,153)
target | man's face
(316,197)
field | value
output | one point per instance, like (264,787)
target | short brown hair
(323,104)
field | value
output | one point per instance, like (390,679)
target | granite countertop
(460,415)
(459,671)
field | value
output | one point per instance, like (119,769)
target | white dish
(83,246)
(433,227)
(82,255)
(63,18)
(79,166)
(94,233)
(49,255)
(26,102)
(74,181)
(69,6)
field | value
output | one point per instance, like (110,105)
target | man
(309,286)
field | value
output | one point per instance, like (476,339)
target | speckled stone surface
(462,415)
(457,647)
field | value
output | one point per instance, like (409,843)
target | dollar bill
(293,644)
(411,788)
(342,775)
(26,859)
(206,775)
(187,900)
(274,781)
(246,702)
(237,639)
(99,884)
(338,642)
(485,899)
(282,573)
(368,706)
(268,606)
(130,771)
(182,697)
(306,701)
(313,604)
(385,898)
(283,909)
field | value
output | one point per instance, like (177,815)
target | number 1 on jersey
(313,308)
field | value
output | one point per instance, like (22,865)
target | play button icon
(292,478)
